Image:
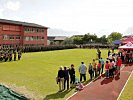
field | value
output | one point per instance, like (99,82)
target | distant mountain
(60,32)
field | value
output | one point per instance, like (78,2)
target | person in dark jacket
(90,70)
(61,76)
(66,78)
(72,75)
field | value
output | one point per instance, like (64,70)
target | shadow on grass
(57,95)
(8,61)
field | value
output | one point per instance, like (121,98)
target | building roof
(129,39)
(116,42)
(57,38)
(20,23)
(60,38)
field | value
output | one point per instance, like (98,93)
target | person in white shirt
(82,71)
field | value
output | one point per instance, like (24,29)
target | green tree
(67,41)
(77,40)
(89,38)
(114,36)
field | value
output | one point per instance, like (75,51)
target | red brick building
(22,34)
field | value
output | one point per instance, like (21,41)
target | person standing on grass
(19,54)
(66,72)
(99,67)
(72,76)
(82,71)
(61,76)
(107,69)
(94,67)
(118,64)
(90,71)
(99,53)
(102,65)
(15,55)
(109,53)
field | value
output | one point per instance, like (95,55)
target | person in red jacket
(118,64)
(107,69)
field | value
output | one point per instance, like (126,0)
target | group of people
(112,67)
(63,77)
(9,55)
(126,56)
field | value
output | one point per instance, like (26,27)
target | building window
(32,29)
(28,29)
(37,30)
(17,37)
(11,37)
(25,29)
(5,37)
(42,30)
(31,38)
(27,38)
(42,38)
(37,38)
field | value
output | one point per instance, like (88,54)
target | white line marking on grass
(125,85)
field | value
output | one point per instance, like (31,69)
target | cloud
(13,5)
(1,12)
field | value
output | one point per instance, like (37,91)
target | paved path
(104,89)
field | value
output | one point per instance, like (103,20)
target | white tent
(128,46)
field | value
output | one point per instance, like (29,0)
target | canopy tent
(116,42)
(128,46)
(129,39)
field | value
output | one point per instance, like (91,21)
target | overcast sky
(84,16)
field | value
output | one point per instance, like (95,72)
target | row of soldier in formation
(10,54)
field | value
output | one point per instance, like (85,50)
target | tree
(114,36)
(89,38)
(67,41)
(102,40)
(77,40)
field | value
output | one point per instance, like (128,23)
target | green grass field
(128,91)
(36,72)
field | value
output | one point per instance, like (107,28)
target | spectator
(111,69)
(66,78)
(90,70)
(109,53)
(72,76)
(99,67)
(82,71)
(107,69)
(118,64)
(94,67)
(99,53)
(61,76)
(102,65)
(110,57)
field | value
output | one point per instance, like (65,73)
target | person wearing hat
(61,76)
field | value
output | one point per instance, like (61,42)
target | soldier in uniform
(19,54)
(15,54)
(6,56)
(10,55)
